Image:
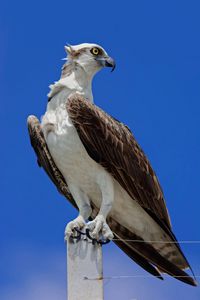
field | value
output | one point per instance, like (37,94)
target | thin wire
(147,276)
(160,242)
(136,276)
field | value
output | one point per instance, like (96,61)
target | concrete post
(84,270)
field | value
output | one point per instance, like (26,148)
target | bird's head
(91,57)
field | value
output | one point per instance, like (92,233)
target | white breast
(68,151)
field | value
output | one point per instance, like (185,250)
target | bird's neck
(74,79)
(80,78)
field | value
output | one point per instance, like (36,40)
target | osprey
(96,163)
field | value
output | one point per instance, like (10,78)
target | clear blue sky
(155,89)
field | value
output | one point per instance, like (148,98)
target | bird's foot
(70,229)
(99,230)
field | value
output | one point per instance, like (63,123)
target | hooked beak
(107,61)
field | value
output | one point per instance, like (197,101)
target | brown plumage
(111,144)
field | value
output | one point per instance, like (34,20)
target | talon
(100,241)
(79,231)
(99,230)
(76,237)
(87,231)
(73,228)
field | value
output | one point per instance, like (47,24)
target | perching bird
(95,161)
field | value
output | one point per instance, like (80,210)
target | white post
(84,270)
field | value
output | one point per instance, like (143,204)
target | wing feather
(45,159)
(112,144)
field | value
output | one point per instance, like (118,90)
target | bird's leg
(85,210)
(98,228)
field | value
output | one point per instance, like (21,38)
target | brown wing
(45,159)
(142,253)
(112,144)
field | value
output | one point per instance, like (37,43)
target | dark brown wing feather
(147,251)
(45,159)
(112,144)
(138,252)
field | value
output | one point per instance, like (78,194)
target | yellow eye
(95,51)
